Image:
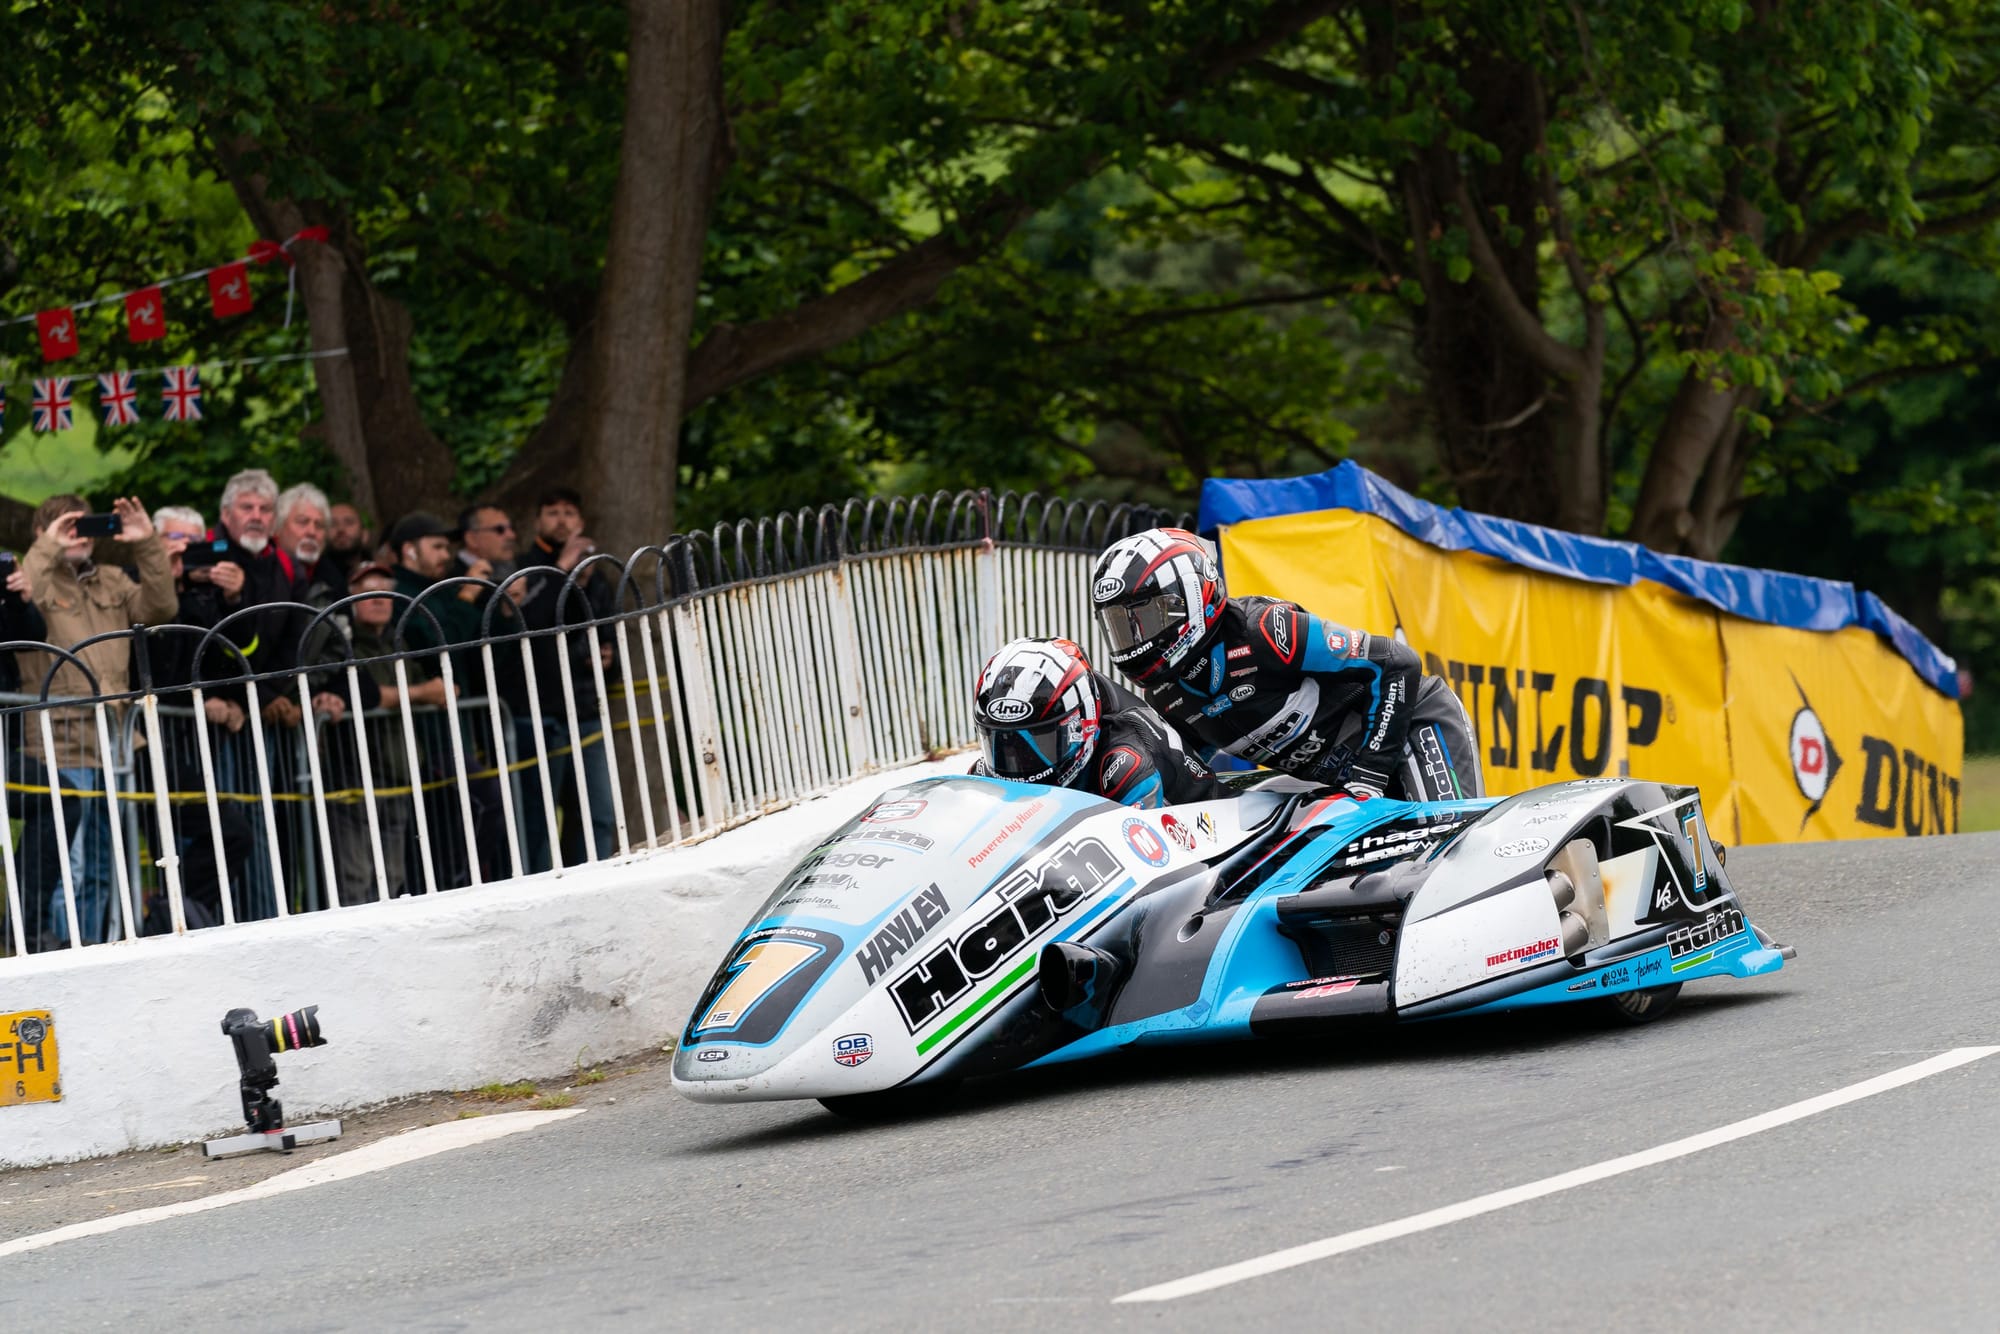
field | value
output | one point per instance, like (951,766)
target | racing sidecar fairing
(965,925)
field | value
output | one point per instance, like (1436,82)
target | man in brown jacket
(80,598)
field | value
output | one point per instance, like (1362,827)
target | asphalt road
(1039,1199)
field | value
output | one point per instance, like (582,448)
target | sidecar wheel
(1640,1007)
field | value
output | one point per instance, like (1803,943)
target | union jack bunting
(117,398)
(52,404)
(183,394)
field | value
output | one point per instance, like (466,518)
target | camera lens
(300,1028)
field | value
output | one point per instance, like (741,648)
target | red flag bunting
(146,315)
(58,331)
(229,289)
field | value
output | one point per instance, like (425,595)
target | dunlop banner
(1789,733)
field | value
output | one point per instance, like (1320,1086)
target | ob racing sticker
(854,1049)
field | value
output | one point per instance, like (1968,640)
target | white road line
(392,1152)
(1211,1279)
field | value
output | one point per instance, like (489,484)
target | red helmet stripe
(1076,669)
(1176,548)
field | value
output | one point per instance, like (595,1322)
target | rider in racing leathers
(1045,717)
(1269,682)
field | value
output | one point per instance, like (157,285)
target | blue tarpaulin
(1770,596)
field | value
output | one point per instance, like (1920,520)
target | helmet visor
(1130,624)
(1026,754)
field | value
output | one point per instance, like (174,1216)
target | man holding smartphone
(80,598)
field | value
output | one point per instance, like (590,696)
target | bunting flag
(229,289)
(58,333)
(146,315)
(52,404)
(116,398)
(183,394)
(55,405)
(145,307)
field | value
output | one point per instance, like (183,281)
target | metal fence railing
(620,706)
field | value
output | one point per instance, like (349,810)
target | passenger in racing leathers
(1269,682)
(1045,717)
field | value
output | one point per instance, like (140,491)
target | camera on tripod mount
(256,1041)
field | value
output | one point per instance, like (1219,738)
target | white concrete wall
(528,979)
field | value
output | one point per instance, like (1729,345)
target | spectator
(301,538)
(79,599)
(19,621)
(248,521)
(487,540)
(421,543)
(354,855)
(316,584)
(561,545)
(248,572)
(348,540)
(224,713)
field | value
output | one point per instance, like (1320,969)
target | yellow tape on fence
(1569,679)
(343,796)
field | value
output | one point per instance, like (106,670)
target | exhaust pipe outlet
(1073,976)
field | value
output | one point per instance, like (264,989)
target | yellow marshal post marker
(28,1068)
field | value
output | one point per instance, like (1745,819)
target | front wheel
(1641,1007)
(894,1104)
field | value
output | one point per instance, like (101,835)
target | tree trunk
(370,417)
(1663,517)
(1701,434)
(1516,422)
(669,159)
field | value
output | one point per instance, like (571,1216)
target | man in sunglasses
(1269,682)
(486,539)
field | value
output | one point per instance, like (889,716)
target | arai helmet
(1158,595)
(1036,708)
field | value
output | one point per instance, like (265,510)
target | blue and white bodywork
(966,925)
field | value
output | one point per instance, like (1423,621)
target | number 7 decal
(756,972)
(1697,837)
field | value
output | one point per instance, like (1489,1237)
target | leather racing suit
(1281,687)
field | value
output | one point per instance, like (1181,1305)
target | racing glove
(1366,779)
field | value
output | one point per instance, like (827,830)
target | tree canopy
(1690,271)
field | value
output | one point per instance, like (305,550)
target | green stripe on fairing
(1697,960)
(1025,967)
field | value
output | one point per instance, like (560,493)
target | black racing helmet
(1158,595)
(1037,711)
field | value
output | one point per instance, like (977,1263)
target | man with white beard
(301,540)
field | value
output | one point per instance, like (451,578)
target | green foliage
(1172,265)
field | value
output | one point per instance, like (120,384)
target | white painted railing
(732,674)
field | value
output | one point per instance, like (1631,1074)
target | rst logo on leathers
(1032,898)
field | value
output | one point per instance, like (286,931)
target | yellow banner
(1569,679)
